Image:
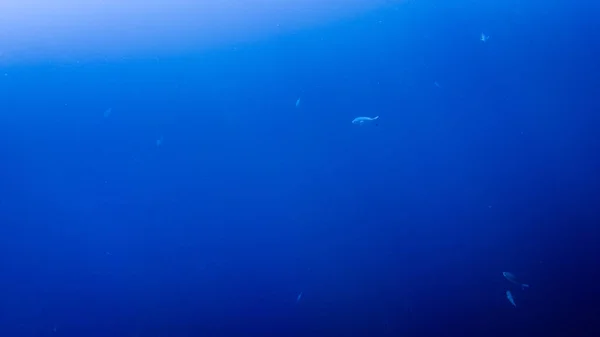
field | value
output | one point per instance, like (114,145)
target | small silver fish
(362,120)
(510,298)
(512,278)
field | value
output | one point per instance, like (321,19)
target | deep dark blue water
(206,203)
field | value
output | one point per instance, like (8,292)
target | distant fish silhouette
(513,279)
(510,298)
(363,120)
(299,297)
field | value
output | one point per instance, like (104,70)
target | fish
(512,278)
(510,298)
(362,120)
(299,297)
(297,102)
(107,112)
(484,37)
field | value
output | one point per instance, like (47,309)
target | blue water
(206,202)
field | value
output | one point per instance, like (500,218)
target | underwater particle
(510,298)
(159,141)
(512,278)
(363,120)
(437,84)
(299,297)
(298,102)
(484,37)
(107,112)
